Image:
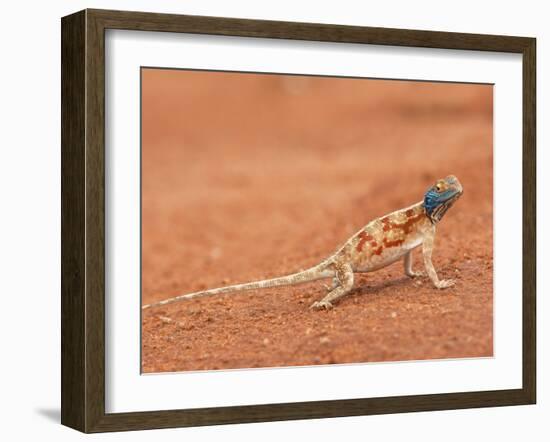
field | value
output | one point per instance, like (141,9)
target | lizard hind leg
(344,275)
(334,283)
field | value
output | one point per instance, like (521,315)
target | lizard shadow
(368,289)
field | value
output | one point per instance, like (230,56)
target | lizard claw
(445,283)
(321,304)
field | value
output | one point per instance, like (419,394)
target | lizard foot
(445,283)
(413,274)
(321,304)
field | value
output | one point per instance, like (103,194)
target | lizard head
(441,196)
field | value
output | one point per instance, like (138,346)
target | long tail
(319,271)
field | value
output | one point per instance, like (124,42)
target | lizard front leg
(344,275)
(408,266)
(427,248)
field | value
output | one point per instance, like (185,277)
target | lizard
(378,244)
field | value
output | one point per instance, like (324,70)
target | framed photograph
(269,220)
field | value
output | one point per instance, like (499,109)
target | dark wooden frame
(83,219)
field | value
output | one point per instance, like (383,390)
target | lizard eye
(438,187)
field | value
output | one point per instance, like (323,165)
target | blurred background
(249,176)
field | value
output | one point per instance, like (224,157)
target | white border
(127,390)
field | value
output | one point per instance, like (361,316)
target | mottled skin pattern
(381,242)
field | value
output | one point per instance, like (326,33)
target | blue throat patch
(431,201)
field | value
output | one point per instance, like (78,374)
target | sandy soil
(247,177)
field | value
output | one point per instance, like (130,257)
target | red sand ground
(247,177)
